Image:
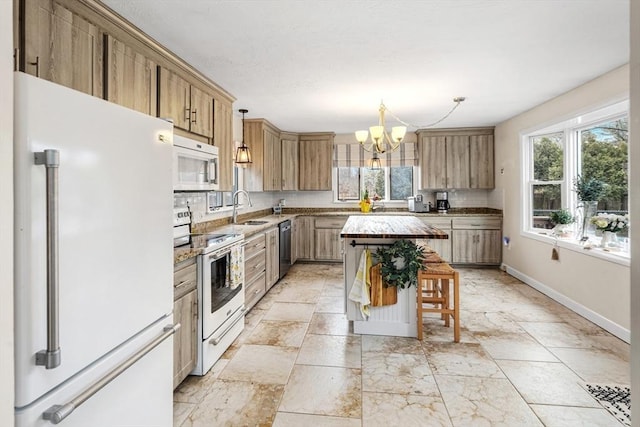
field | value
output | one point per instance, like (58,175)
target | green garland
(409,254)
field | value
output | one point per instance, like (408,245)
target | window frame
(571,128)
(387,183)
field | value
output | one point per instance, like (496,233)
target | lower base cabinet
(476,241)
(255,263)
(272,245)
(441,246)
(185,312)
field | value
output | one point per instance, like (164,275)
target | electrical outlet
(506,241)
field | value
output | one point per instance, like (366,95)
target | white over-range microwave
(195,165)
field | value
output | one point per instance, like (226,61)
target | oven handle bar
(51,357)
(57,413)
(216,341)
(216,256)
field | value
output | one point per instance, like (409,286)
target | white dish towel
(361,289)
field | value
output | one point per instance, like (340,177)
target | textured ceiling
(324,65)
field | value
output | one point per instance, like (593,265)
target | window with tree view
(597,149)
(388,183)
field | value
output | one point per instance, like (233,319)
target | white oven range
(221,307)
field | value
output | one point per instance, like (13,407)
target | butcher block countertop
(389,227)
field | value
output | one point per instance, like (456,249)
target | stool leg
(419,306)
(456,307)
(445,305)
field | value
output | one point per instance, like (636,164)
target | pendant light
(243,155)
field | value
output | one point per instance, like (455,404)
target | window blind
(353,155)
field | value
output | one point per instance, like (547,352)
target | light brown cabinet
(263,139)
(456,158)
(289,169)
(328,243)
(315,161)
(130,78)
(185,313)
(476,240)
(272,245)
(62,47)
(223,139)
(255,262)
(441,246)
(189,107)
(304,236)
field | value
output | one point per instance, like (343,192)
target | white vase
(609,240)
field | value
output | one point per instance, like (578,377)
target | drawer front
(331,222)
(477,223)
(441,223)
(254,245)
(255,290)
(254,266)
(184,279)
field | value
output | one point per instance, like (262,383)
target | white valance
(353,155)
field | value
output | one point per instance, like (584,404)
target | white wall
(595,286)
(6,212)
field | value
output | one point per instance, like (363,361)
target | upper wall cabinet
(223,139)
(130,77)
(456,158)
(289,142)
(315,156)
(190,108)
(263,140)
(61,47)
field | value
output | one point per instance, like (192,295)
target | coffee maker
(442,202)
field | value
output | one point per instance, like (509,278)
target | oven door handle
(218,255)
(216,341)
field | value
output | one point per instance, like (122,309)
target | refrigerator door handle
(57,413)
(50,358)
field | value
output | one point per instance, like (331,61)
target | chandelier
(382,141)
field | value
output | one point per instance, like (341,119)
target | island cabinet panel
(273,257)
(62,47)
(130,77)
(263,140)
(315,155)
(188,106)
(289,143)
(223,139)
(456,158)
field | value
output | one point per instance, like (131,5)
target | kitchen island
(364,231)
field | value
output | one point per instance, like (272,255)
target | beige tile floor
(520,362)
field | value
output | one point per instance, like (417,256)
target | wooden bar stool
(434,289)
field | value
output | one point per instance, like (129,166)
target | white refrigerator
(93,261)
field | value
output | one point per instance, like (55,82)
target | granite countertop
(397,214)
(389,227)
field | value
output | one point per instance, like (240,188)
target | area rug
(615,398)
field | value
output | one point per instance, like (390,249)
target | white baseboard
(603,322)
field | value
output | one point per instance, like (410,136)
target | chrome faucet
(234,199)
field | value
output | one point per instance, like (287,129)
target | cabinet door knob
(37,65)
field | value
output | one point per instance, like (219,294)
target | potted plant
(589,192)
(561,219)
(365,202)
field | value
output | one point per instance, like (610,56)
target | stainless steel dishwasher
(285,247)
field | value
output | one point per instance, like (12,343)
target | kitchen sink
(254,222)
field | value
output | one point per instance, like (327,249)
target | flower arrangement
(589,189)
(610,222)
(365,202)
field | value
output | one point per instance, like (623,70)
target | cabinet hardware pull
(50,358)
(37,64)
(57,413)
(194,116)
(16,58)
(187,112)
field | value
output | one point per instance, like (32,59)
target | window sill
(589,249)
